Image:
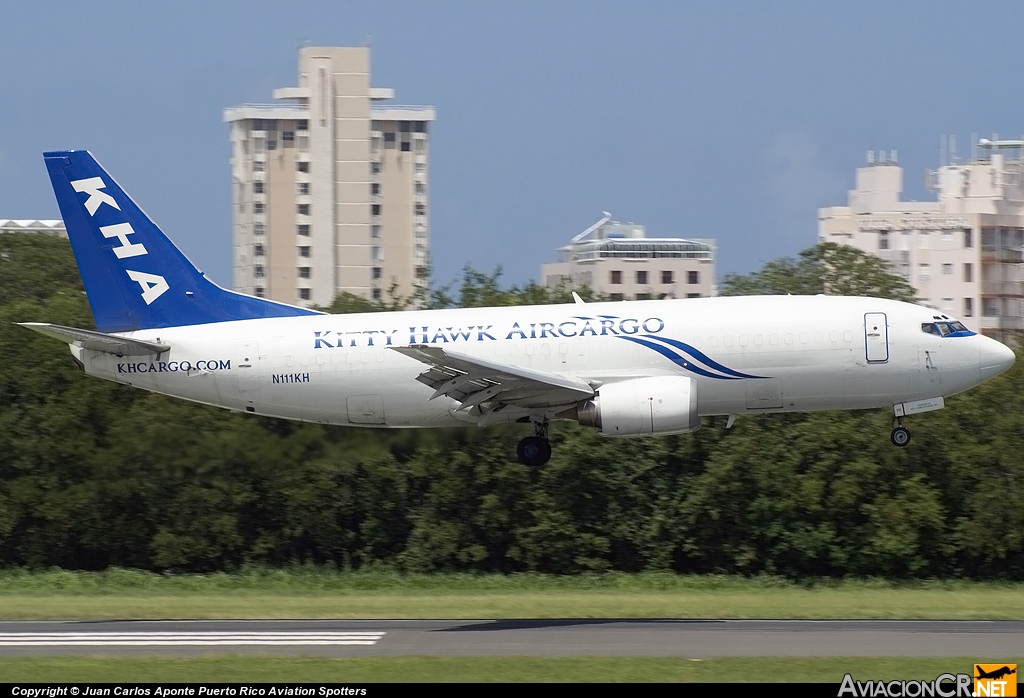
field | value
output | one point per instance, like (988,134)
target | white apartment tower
(619,261)
(329,186)
(962,252)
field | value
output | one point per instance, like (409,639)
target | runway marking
(80,639)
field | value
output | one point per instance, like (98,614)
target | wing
(491,385)
(97,341)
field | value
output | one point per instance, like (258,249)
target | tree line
(94,474)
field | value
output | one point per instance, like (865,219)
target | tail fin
(133,274)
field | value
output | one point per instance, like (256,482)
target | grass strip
(308,579)
(476,669)
(319,593)
(783,603)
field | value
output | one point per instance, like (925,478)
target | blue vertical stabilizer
(133,274)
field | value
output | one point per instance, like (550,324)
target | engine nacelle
(656,405)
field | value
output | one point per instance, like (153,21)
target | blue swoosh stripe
(677,359)
(700,356)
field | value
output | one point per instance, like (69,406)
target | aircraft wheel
(900,437)
(534,451)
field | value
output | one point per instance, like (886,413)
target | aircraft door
(247,366)
(582,347)
(876,338)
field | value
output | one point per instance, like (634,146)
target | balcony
(1002,288)
(1003,256)
(1003,322)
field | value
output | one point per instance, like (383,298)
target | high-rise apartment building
(962,252)
(619,261)
(329,186)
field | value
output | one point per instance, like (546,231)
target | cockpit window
(945,328)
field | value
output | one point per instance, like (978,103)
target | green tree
(836,270)
(94,474)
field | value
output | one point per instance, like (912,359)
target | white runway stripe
(81,639)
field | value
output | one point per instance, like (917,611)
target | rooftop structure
(46,227)
(619,261)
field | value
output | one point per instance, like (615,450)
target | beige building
(962,252)
(619,261)
(46,227)
(329,186)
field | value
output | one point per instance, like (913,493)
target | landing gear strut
(900,435)
(535,450)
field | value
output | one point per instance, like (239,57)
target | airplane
(995,673)
(624,368)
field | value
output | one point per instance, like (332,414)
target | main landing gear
(535,450)
(900,435)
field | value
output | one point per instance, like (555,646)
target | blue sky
(732,120)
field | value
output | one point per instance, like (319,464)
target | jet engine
(655,405)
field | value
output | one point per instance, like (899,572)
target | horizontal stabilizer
(97,341)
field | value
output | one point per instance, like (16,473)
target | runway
(538,637)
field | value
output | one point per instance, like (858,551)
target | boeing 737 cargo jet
(626,369)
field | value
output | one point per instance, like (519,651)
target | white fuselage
(748,355)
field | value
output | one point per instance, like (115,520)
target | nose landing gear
(535,450)
(900,434)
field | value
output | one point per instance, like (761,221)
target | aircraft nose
(994,358)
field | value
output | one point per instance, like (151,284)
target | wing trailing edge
(491,385)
